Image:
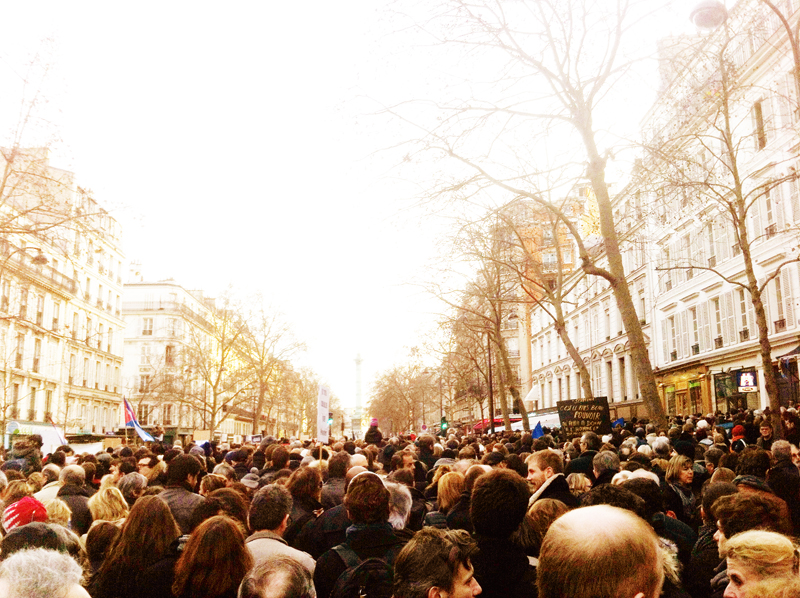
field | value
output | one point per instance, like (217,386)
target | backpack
(370,578)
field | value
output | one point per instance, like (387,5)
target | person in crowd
(211,482)
(333,488)
(75,494)
(305,485)
(182,474)
(436,564)
(373,435)
(213,562)
(766,437)
(498,506)
(579,484)
(540,516)
(41,573)
(278,576)
(590,445)
(371,535)
(58,512)
(784,480)
(268,518)
(546,475)
(99,540)
(399,509)
(329,529)
(757,555)
(600,552)
(108,505)
(605,465)
(458,517)
(225,501)
(450,487)
(678,495)
(52,483)
(132,485)
(143,557)
(426,452)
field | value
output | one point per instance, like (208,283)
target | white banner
(323,408)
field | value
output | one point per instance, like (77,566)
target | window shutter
(705,327)
(788,296)
(794,198)
(665,340)
(729,325)
(685,334)
(756,230)
(778,196)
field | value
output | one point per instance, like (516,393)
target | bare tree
(558,64)
(705,156)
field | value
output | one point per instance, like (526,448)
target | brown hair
(545,459)
(305,483)
(367,500)
(676,465)
(145,537)
(214,561)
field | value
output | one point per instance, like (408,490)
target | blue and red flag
(130,420)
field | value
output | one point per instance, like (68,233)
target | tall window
(32,405)
(39,310)
(23,303)
(147,326)
(110,339)
(86,372)
(89,329)
(715,304)
(56,313)
(5,294)
(75,325)
(20,353)
(694,324)
(743,308)
(37,354)
(145,355)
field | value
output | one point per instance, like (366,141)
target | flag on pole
(61,436)
(130,420)
(537,431)
(618,422)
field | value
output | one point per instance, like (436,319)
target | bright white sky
(234,143)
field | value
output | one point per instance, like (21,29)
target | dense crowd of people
(698,510)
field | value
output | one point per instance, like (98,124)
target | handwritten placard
(587,415)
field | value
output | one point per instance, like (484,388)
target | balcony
(780,325)
(696,349)
(31,415)
(771,231)
(689,273)
(46,275)
(712,261)
(718,342)
(736,249)
(673,356)
(744,335)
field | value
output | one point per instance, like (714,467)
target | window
(147,326)
(37,354)
(75,326)
(39,310)
(89,329)
(715,306)
(32,405)
(23,303)
(695,328)
(110,339)
(107,377)
(167,419)
(88,289)
(169,355)
(760,120)
(20,353)
(56,313)
(48,404)
(171,329)
(97,375)
(6,294)
(145,355)
(86,372)
(712,245)
(100,335)
(743,309)
(72,360)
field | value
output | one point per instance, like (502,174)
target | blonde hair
(58,512)
(781,587)
(578,483)
(108,505)
(451,485)
(107,481)
(767,553)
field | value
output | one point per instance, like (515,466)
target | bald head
(600,551)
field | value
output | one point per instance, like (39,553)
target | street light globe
(708,14)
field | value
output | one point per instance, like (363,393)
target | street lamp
(708,14)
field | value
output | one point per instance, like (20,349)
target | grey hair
(605,460)
(40,573)
(278,576)
(782,448)
(399,504)
(661,446)
(132,484)
(72,474)
(226,471)
(51,472)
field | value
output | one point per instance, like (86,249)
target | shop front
(685,390)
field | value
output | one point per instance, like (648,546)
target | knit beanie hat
(373,422)
(25,510)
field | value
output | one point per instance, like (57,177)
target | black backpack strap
(348,555)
